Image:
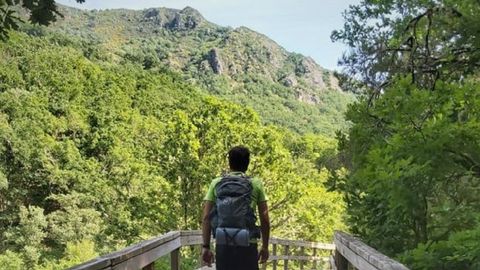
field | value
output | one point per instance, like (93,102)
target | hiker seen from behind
(229,214)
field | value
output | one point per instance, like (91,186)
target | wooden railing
(144,254)
(350,253)
(284,251)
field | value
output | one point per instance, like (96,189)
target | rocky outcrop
(307,98)
(215,61)
(150,13)
(185,19)
(156,16)
(313,72)
(289,81)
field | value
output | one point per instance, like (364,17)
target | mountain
(237,64)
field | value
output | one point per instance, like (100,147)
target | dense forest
(413,152)
(98,155)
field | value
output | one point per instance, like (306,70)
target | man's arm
(206,228)
(265,230)
(207,254)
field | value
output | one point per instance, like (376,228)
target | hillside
(98,155)
(239,64)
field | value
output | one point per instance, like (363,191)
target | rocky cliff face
(188,39)
(216,63)
(186,19)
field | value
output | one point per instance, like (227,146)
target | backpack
(232,215)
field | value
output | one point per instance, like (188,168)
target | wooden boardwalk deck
(348,252)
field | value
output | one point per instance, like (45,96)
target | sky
(302,26)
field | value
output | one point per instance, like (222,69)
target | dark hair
(239,158)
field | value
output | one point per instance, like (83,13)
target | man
(232,257)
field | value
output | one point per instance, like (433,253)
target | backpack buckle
(232,237)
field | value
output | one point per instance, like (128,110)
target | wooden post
(175,259)
(149,267)
(274,253)
(315,261)
(200,258)
(285,262)
(302,252)
(340,261)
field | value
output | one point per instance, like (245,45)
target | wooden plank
(367,253)
(142,247)
(191,240)
(99,263)
(333,266)
(301,243)
(285,261)
(315,261)
(200,256)
(341,262)
(274,253)
(191,232)
(148,257)
(297,258)
(356,261)
(302,252)
(175,259)
(105,262)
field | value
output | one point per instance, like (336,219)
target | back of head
(239,158)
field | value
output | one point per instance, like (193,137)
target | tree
(40,12)
(413,155)
(429,40)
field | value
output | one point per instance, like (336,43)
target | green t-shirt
(258,193)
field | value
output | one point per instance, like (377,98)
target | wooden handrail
(351,251)
(144,254)
(140,255)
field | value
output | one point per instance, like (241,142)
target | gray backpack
(232,218)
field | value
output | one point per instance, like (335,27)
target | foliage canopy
(413,151)
(97,155)
(40,12)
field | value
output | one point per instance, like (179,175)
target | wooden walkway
(346,252)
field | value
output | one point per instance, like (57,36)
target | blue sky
(302,26)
